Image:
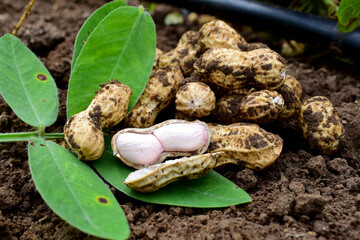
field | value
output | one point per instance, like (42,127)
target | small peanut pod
(195,99)
(233,69)
(159,93)
(320,124)
(83,131)
(185,53)
(218,34)
(293,84)
(157,176)
(291,92)
(241,142)
(110,104)
(261,107)
(84,136)
(143,147)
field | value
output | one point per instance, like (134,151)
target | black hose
(287,23)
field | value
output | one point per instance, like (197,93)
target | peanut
(185,53)
(241,142)
(233,69)
(261,107)
(159,93)
(143,147)
(320,124)
(82,132)
(218,34)
(291,92)
(195,99)
(157,176)
(158,54)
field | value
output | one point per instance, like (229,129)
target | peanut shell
(110,104)
(159,93)
(185,53)
(195,99)
(291,92)
(320,124)
(261,107)
(233,69)
(84,136)
(157,176)
(247,143)
(218,34)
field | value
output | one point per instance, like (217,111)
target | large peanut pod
(248,143)
(261,107)
(159,93)
(141,147)
(84,137)
(185,53)
(320,124)
(233,69)
(157,176)
(218,34)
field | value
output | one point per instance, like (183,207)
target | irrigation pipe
(287,23)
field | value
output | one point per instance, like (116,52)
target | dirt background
(304,195)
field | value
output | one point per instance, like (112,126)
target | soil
(304,195)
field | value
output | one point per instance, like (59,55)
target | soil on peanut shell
(303,195)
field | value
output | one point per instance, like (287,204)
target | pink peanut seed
(182,137)
(142,149)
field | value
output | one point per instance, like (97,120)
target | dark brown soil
(304,195)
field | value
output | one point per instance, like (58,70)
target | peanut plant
(117,42)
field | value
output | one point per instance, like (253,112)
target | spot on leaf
(102,200)
(41,77)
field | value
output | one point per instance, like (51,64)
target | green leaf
(211,190)
(74,192)
(348,15)
(26,84)
(91,23)
(121,47)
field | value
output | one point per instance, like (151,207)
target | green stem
(26,136)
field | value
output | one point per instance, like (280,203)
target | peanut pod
(291,92)
(320,124)
(195,99)
(185,53)
(261,107)
(159,93)
(139,148)
(233,69)
(83,131)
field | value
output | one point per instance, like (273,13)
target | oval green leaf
(91,23)
(74,192)
(209,191)
(121,47)
(26,84)
(348,15)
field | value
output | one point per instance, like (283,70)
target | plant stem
(26,136)
(23,17)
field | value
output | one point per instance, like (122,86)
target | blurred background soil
(304,195)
